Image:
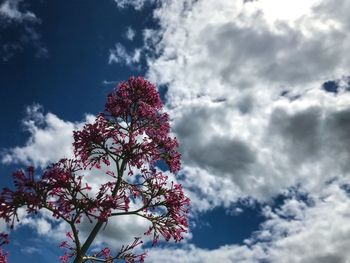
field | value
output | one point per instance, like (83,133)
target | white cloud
(120,55)
(136,4)
(21,22)
(30,250)
(109,82)
(226,64)
(3,227)
(192,254)
(284,10)
(208,191)
(244,93)
(43,224)
(298,230)
(119,231)
(50,139)
(239,150)
(130,33)
(221,48)
(9,9)
(302,230)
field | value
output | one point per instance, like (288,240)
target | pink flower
(3,257)
(3,240)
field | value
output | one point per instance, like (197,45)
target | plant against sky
(131,137)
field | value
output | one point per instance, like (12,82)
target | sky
(258,96)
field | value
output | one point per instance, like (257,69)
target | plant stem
(80,256)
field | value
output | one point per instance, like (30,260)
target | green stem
(80,256)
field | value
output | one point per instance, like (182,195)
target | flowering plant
(129,139)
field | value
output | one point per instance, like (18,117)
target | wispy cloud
(18,30)
(130,33)
(136,4)
(30,250)
(9,9)
(109,82)
(120,55)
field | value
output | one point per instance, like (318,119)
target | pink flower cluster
(129,139)
(125,253)
(3,240)
(24,194)
(133,127)
(3,256)
(69,247)
(166,207)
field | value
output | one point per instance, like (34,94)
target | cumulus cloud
(192,254)
(50,139)
(246,96)
(227,46)
(245,93)
(305,228)
(263,149)
(118,231)
(43,224)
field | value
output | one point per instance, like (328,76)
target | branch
(76,237)
(79,258)
(93,259)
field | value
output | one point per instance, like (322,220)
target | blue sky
(258,96)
